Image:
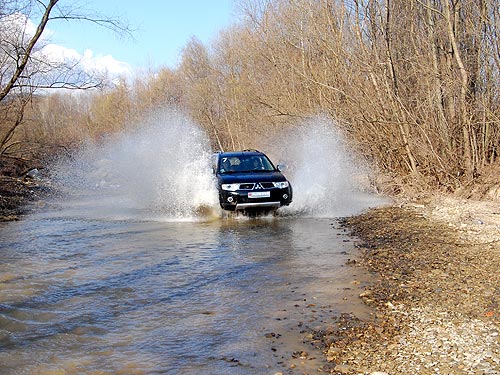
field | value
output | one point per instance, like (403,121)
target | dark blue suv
(247,180)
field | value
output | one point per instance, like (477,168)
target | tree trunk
(463,118)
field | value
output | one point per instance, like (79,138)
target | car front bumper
(239,200)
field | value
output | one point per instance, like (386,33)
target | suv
(247,180)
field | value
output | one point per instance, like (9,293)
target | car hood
(232,178)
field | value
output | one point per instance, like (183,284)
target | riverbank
(437,294)
(17,196)
(20,185)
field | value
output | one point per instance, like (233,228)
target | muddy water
(224,296)
(120,275)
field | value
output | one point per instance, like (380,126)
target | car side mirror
(281,167)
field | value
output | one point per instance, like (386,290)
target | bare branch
(25,56)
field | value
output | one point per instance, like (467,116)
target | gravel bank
(437,294)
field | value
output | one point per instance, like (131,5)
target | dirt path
(436,299)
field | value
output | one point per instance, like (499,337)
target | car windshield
(245,163)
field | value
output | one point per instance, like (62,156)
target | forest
(413,85)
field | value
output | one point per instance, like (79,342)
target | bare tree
(24,68)
(413,83)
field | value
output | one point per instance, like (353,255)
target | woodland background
(412,84)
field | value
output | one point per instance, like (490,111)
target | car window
(245,163)
(259,163)
(266,164)
(229,164)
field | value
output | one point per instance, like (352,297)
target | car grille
(253,186)
(246,186)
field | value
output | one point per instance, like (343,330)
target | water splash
(162,169)
(327,179)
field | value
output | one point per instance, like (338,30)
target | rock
(270,335)
(343,369)
(300,355)
(33,173)
(9,218)
(366,294)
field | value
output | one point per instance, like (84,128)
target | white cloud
(89,62)
(59,54)
(105,64)
(19,29)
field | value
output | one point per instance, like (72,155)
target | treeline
(413,84)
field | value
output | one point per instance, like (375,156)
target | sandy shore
(436,296)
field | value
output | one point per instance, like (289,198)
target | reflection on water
(80,296)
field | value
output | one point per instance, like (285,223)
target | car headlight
(281,185)
(230,187)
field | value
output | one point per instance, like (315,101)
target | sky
(161,29)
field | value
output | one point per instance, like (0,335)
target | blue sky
(162,28)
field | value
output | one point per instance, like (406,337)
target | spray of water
(326,177)
(163,171)
(160,170)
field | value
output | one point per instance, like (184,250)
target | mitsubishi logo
(258,186)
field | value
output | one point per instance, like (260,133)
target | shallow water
(81,295)
(133,269)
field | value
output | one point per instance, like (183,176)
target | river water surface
(134,271)
(92,296)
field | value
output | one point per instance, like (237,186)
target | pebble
(343,369)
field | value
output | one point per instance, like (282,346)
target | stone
(343,369)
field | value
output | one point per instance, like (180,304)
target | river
(132,270)
(134,297)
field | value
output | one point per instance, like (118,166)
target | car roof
(240,153)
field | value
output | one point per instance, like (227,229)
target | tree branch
(21,66)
